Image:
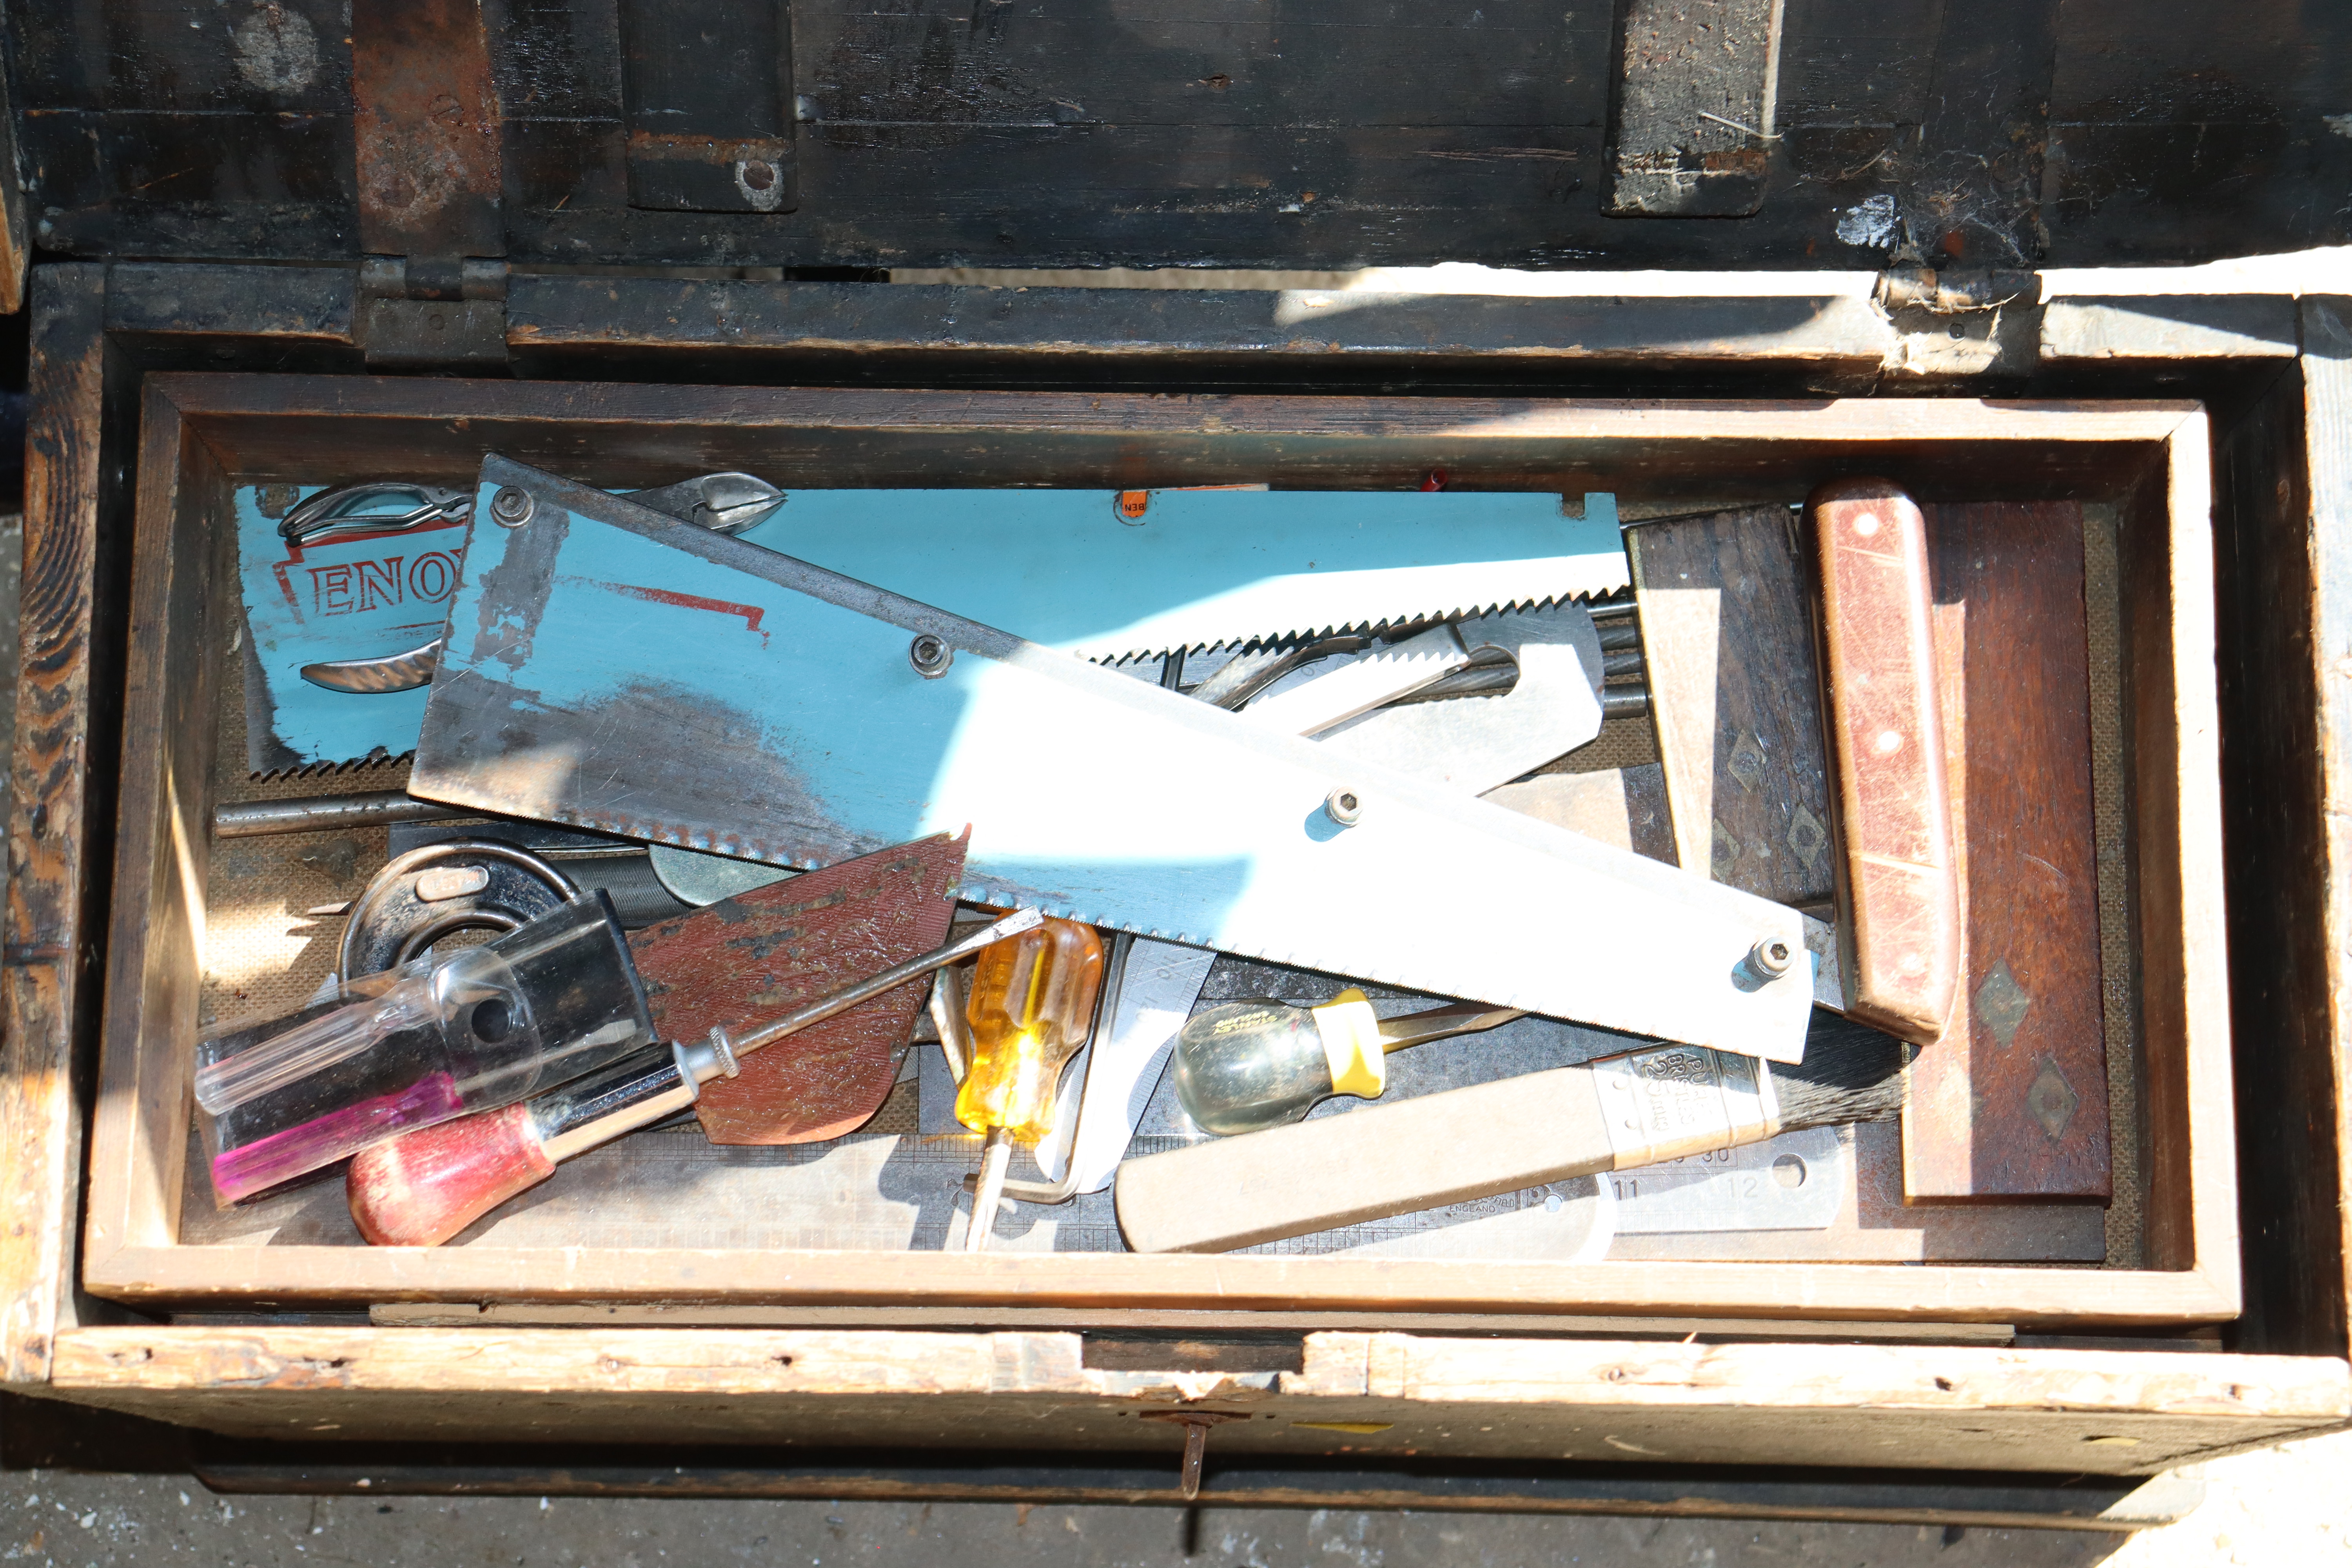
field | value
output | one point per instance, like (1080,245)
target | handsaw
(608,667)
(777,947)
(1114,575)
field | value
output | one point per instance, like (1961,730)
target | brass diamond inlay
(2003,1003)
(2052,1099)
(1806,836)
(1748,761)
(1727,853)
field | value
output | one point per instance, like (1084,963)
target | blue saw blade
(1079,571)
(611,668)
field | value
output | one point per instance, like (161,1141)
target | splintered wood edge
(161,1275)
(1340,1365)
(39,1120)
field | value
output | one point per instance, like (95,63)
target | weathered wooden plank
(1694,117)
(706,88)
(1969,189)
(1956,1501)
(183,548)
(276,427)
(2286,604)
(291,57)
(2165,556)
(2169,327)
(55,848)
(1592,1400)
(2012,1102)
(558,323)
(306,304)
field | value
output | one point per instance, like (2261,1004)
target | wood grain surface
(1898,899)
(1953,1407)
(746,960)
(2011,1101)
(51,859)
(1727,639)
(2286,606)
(264,426)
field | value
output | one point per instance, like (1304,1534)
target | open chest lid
(813,134)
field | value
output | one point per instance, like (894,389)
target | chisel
(1503,1137)
(420,1191)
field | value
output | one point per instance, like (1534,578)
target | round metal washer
(390,924)
(511,507)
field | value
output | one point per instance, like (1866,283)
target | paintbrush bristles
(1851,1073)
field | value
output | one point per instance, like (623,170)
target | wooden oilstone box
(2011,1103)
(206,434)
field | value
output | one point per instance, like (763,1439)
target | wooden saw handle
(1897,888)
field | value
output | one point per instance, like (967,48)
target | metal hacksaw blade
(610,668)
(1203,568)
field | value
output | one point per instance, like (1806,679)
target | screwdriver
(424,1187)
(1033,1005)
(1247,1065)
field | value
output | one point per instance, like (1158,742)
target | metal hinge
(1959,322)
(437,314)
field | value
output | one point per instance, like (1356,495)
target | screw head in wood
(929,656)
(511,507)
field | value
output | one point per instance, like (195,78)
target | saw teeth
(1366,628)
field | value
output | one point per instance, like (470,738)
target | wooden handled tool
(1502,1137)
(1897,889)
(421,1189)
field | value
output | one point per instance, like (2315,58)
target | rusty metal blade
(779,947)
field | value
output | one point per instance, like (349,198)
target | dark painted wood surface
(1275,132)
(2012,1102)
(2285,606)
(1727,639)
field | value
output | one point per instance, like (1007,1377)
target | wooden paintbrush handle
(1897,888)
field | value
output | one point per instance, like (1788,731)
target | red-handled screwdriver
(421,1189)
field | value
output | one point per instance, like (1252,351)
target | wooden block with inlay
(1727,642)
(2012,1102)
(2009,1101)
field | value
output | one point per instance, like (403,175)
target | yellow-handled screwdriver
(1033,1005)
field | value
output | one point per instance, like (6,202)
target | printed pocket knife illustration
(613,669)
(363,572)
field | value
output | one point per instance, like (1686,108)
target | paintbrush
(1659,1103)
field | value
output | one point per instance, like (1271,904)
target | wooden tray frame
(202,435)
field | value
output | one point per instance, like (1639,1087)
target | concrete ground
(2285,1507)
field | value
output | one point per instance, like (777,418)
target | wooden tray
(204,435)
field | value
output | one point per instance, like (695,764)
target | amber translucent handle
(1897,887)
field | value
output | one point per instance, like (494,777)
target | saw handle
(424,1187)
(1898,888)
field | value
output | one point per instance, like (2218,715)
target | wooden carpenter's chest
(293,244)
